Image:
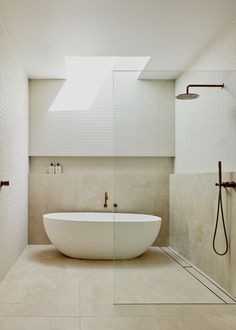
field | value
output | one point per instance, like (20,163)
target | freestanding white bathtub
(101,235)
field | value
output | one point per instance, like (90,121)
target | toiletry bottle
(58,169)
(51,169)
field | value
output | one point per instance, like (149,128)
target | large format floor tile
(39,323)
(43,264)
(157,278)
(46,290)
(42,282)
(41,293)
(96,284)
(157,323)
(39,309)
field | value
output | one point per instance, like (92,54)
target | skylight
(86,75)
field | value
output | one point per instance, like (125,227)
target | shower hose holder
(226,184)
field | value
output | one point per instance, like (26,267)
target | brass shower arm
(203,85)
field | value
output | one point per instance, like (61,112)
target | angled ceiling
(171,32)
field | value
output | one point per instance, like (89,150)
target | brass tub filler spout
(106,199)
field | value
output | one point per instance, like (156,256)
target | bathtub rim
(143,218)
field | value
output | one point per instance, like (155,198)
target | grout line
(41,316)
(194,276)
(170,304)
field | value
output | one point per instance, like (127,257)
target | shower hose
(220,210)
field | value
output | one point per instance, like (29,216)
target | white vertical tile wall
(69,133)
(143,116)
(206,127)
(13,155)
(143,123)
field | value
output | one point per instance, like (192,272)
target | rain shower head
(191,96)
(187,96)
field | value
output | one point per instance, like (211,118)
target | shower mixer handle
(227,184)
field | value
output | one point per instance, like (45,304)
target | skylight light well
(85,76)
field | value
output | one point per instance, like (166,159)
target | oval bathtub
(101,235)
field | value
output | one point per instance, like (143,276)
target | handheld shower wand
(220,209)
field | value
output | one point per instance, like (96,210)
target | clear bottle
(51,169)
(58,169)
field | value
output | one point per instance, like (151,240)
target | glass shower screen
(155,265)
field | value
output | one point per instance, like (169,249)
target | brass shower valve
(227,184)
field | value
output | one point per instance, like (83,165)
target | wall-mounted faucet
(4,183)
(106,199)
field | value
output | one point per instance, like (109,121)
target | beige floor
(45,290)
(157,278)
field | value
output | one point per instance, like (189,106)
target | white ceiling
(172,32)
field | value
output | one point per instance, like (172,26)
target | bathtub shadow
(50,256)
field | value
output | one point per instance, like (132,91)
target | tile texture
(193,205)
(33,296)
(137,185)
(13,154)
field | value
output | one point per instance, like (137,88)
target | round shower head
(191,96)
(187,96)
